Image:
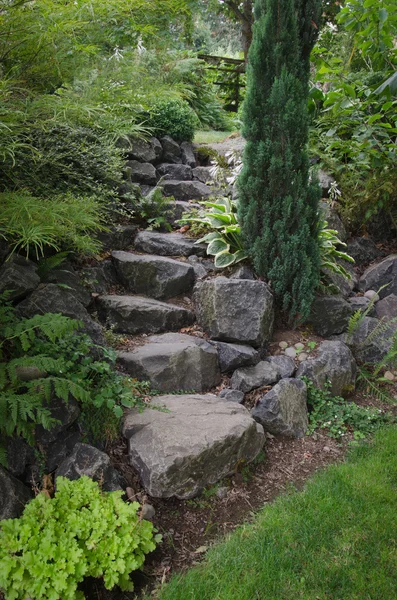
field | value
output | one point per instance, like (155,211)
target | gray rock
(330,315)
(284,365)
(52,298)
(18,277)
(4,250)
(233,356)
(168,244)
(343,286)
(173,362)
(195,442)
(13,496)
(155,276)
(20,455)
(202,174)
(233,310)
(141,172)
(137,314)
(145,151)
(187,153)
(99,279)
(148,512)
(200,270)
(325,182)
(334,363)
(283,410)
(64,412)
(290,352)
(250,378)
(176,172)
(370,347)
(119,237)
(363,250)
(243,272)
(361,303)
(61,448)
(232,395)
(65,275)
(334,222)
(186,190)
(177,209)
(171,150)
(91,462)
(387,308)
(222,492)
(129,191)
(382,274)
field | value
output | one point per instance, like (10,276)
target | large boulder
(233,310)
(88,461)
(20,456)
(371,340)
(283,410)
(330,315)
(118,237)
(233,356)
(361,303)
(196,441)
(171,150)
(250,378)
(177,172)
(66,413)
(66,276)
(174,362)
(98,279)
(363,250)
(13,496)
(178,209)
(137,314)
(142,150)
(186,190)
(387,308)
(168,244)
(54,299)
(155,276)
(382,274)
(329,213)
(335,363)
(141,172)
(284,365)
(187,154)
(18,277)
(202,174)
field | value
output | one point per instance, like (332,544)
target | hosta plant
(225,243)
(330,255)
(80,532)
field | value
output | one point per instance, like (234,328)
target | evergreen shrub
(174,118)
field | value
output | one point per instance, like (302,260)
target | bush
(81,532)
(174,118)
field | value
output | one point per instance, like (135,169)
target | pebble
(327,449)
(303,356)
(148,511)
(299,346)
(130,493)
(389,376)
(283,345)
(222,492)
(371,294)
(291,352)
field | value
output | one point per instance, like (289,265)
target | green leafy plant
(80,532)
(225,242)
(330,255)
(174,118)
(340,417)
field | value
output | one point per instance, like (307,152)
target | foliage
(225,242)
(331,256)
(152,210)
(44,357)
(34,224)
(80,532)
(278,203)
(340,417)
(174,118)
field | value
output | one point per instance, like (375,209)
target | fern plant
(330,256)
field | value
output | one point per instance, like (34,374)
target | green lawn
(211,137)
(337,540)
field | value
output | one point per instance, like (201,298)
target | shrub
(174,118)
(81,532)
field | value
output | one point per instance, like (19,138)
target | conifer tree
(278,202)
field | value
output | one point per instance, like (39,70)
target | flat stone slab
(233,356)
(138,314)
(186,190)
(235,310)
(168,244)
(193,442)
(174,362)
(154,276)
(250,378)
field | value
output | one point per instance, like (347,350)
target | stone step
(196,441)
(168,244)
(154,276)
(174,362)
(138,314)
(186,190)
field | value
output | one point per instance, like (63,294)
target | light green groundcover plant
(225,243)
(81,532)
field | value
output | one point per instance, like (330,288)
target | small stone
(326,449)
(148,512)
(130,494)
(389,376)
(291,352)
(299,346)
(370,294)
(232,395)
(221,493)
(283,345)
(303,356)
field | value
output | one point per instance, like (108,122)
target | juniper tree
(278,202)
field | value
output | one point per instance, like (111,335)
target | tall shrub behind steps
(278,203)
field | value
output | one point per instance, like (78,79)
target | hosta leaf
(217,245)
(209,237)
(239,256)
(224,259)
